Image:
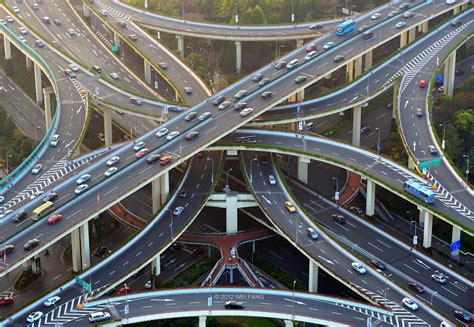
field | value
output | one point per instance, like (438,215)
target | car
(7,249)
(153,157)
(312,234)
(339,58)
(163,65)
(422,83)
(71,32)
(267,94)
(245,112)
(310,55)
(142,152)
(410,304)
(280,64)
(54,219)
(73,67)
(400,25)
(300,79)
(378,264)
(338,218)
(56,22)
(290,207)
(177,211)
(112,161)
(456,22)
(419,112)
(51,196)
(123,290)
(9,19)
(112,170)
(35,6)
(51,301)
(217,101)
(404,6)
(148,285)
(39,43)
(70,73)
(363,28)
(84,178)
(408,14)
(264,82)
(135,101)
(162,132)
(316,26)
(357,266)
(463,315)
(36,169)
(172,135)
(2,198)
(100,315)
(365,129)
(272,180)
(264,160)
(23,30)
(239,95)
(101,137)
(190,116)
(32,317)
(54,140)
(98,70)
(103,12)
(183,193)
(392,13)
(414,286)
(311,47)
(205,116)
(233,305)
(81,188)
(140,145)
(439,277)
(292,64)
(191,135)
(257,78)
(328,45)
(16,9)
(375,16)
(100,251)
(188,89)
(114,76)
(31,244)
(441,89)
(432,149)
(132,37)
(23,39)
(240,105)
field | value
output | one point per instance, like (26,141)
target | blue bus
(419,191)
(345,27)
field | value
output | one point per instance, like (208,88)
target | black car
(50,197)
(463,315)
(20,216)
(300,79)
(378,264)
(183,193)
(233,305)
(365,129)
(217,101)
(240,105)
(31,244)
(338,219)
(100,251)
(264,160)
(7,249)
(416,287)
(266,94)
(190,116)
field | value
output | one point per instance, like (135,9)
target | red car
(416,287)
(54,219)
(142,152)
(311,47)
(123,290)
(422,83)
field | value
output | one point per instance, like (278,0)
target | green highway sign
(83,284)
(115,48)
(430,163)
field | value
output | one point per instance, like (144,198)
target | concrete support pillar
(299,43)
(350,71)
(231,153)
(357,66)
(412,35)
(160,189)
(464,6)
(156,266)
(76,250)
(313,277)
(147,71)
(28,63)
(47,91)
(202,321)
(368,60)
(165,186)
(7,47)
(449,70)
(423,27)
(85,246)
(107,126)
(38,85)
(403,40)
(455,236)
(288,323)
(231,211)
(370,200)
(303,169)
(421,221)
(180,45)
(456,10)
(238,56)
(36,265)
(86,11)
(356,124)
(427,227)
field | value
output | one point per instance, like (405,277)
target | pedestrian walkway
(350,189)
(119,212)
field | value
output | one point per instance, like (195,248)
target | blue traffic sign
(455,246)
(439,79)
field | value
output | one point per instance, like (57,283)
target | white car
(178,210)
(246,112)
(114,76)
(23,30)
(272,180)
(81,188)
(375,16)
(310,55)
(74,68)
(409,303)
(440,278)
(52,300)
(148,285)
(10,19)
(357,266)
(172,135)
(112,161)
(328,45)
(16,9)
(37,169)
(162,132)
(2,199)
(71,32)
(54,140)
(110,171)
(84,178)
(139,146)
(103,12)
(34,316)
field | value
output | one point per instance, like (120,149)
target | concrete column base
(202,321)
(38,84)
(449,72)
(85,246)
(180,45)
(356,124)
(47,92)
(427,228)
(156,266)
(288,323)
(231,211)
(455,236)
(147,71)
(313,277)
(238,56)
(368,60)
(303,169)
(370,201)
(108,126)
(7,48)
(76,250)
(160,189)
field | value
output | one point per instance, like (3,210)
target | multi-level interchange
(56,179)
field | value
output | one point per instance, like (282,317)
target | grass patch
(190,275)
(277,273)
(26,279)
(240,322)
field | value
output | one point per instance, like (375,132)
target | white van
(292,64)
(99,316)
(450,2)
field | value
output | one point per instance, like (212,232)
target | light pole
(227,188)
(293,310)
(368,81)
(212,168)
(432,296)
(379,146)
(292,12)
(251,161)
(385,288)
(465,156)
(171,221)
(236,13)
(192,56)
(443,142)
(336,194)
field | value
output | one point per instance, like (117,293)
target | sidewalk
(351,188)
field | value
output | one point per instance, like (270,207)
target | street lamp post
(251,161)
(236,13)
(227,188)
(415,237)
(443,142)
(171,221)
(212,168)
(378,141)
(465,156)
(385,288)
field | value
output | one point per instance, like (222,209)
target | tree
(453,142)
(254,15)
(464,120)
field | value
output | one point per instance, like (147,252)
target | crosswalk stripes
(104,39)
(113,11)
(370,313)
